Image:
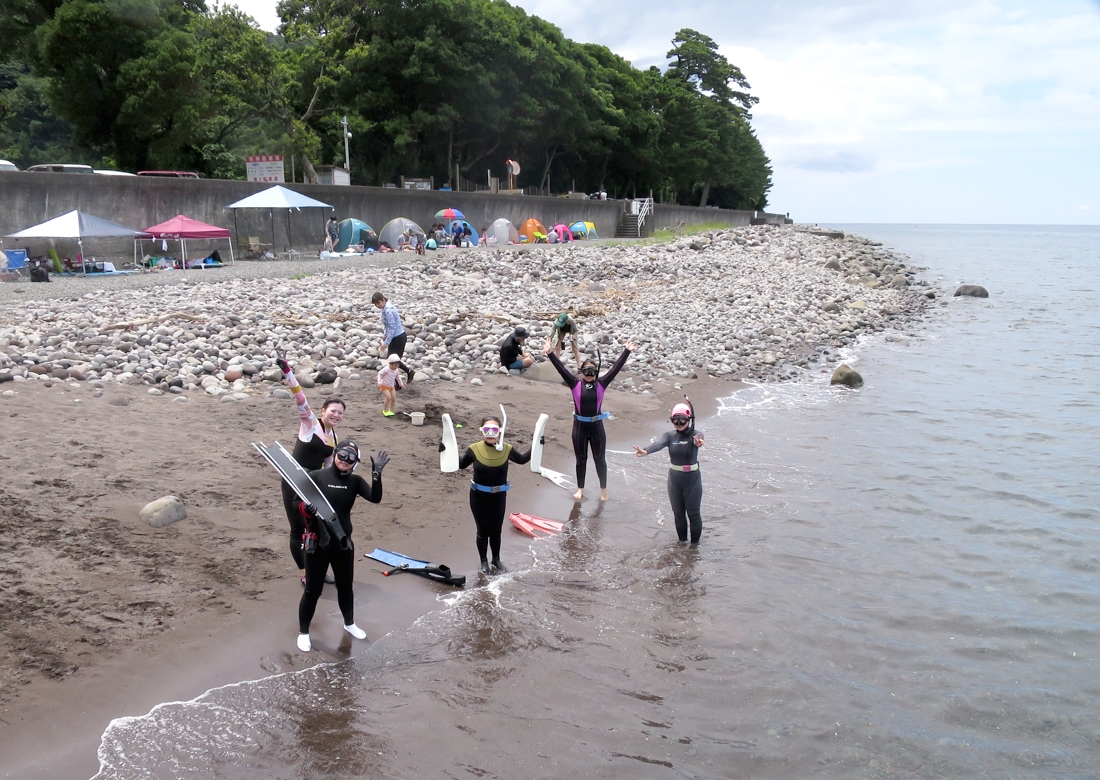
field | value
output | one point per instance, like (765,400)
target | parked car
(108,172)
(170,174)
(7,166)
(60,168)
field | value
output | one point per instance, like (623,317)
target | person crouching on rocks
(512,355)
(685,485)
(331,545)
(489,488)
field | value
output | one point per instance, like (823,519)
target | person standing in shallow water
(313,449)
(588,416)
(489,489)
(341,486)
(685,484)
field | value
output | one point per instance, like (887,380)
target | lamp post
(347,155)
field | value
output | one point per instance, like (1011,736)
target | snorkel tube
(691,406)
(503,425)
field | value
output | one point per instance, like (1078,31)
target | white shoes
(355,631)
(304,644)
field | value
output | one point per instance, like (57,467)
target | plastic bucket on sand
(417,418)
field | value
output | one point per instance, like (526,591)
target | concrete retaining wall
(30,198)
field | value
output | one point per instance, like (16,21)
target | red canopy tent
(181,227)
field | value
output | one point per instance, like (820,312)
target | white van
(61,168)
(7,166)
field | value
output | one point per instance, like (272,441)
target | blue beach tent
(352,231)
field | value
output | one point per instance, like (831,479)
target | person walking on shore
(588,416)
(313,449)
(332,546)
(389,382)
(393,336)
(489,489)
(685,485)
(332,233)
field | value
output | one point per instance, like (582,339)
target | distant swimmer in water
(588,416)
(685,485)
(489,488)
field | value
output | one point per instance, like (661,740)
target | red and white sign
(264,167)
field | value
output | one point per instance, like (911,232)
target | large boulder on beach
(325,377)
(163,512)
(972,291)
(847,376)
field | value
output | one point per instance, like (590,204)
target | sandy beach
(105,617)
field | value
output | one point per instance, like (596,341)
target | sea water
(899,581)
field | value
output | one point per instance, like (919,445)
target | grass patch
(300,276)
(663,235)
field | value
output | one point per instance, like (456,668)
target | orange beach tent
(530,227)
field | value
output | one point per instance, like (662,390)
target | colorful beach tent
(583,230)
(503,232)
(395,227)
(78,225)
(564,234)
(475,237)
(278,199)
(530,227)
(181,227)
(352,231)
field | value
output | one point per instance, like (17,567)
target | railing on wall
(645,208)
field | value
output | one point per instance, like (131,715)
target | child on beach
(389,382)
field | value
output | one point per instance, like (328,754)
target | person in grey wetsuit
(685,485)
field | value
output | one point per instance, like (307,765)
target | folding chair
(17,261)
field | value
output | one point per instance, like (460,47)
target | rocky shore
(760,303)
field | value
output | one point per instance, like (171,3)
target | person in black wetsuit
(685,485)
(341,486)
(313,449)
(588,417)
(489,489)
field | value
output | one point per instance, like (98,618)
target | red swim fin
(537,527)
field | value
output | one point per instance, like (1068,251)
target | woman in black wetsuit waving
(489,488)
(341,486)
(313,449)
(588,416)
(685,485)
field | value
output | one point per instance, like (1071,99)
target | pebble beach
(756,303)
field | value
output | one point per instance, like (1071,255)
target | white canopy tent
(277,199)
(78,225)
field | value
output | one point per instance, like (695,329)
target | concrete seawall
(29,198)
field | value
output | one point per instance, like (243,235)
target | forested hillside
(427,85)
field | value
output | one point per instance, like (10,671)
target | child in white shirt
(389,382)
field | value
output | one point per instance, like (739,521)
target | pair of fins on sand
(307,490)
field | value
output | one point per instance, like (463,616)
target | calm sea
(902,581)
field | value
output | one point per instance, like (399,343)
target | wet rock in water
(847,376)
(163,512)
(899,282)
(972,291)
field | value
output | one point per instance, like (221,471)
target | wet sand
(103,617)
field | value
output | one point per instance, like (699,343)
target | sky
(968,111)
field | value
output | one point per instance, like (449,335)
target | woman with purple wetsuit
(588,432)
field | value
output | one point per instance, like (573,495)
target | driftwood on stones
(151,320)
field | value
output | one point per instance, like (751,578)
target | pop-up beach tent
(530,228)
(395,227)
(278,199)
(502,231)
(352,231)
(475,237)
(583,229)
(181,227)
(78,225)
(564,234)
